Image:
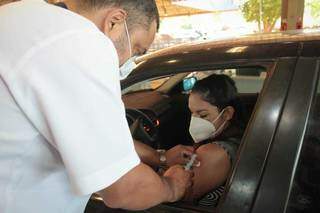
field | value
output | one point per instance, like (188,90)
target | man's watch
(162,157)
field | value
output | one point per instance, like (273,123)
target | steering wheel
(142,127)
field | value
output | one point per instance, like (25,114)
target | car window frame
(269,64)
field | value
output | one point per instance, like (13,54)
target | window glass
(305,193)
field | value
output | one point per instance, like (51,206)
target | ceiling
(167,9)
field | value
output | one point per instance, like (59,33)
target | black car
(278,163)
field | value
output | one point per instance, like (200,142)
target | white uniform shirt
(63,132)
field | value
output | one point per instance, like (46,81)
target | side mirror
(188,83)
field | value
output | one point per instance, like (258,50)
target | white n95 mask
(200,129)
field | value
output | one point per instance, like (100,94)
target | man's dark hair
(140,12)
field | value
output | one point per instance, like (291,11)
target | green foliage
(315,8)
(271,12)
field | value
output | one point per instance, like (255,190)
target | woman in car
(216,127)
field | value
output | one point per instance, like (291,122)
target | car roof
(259,38)
(203,54)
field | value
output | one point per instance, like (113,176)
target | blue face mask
(130,64)
(127,67)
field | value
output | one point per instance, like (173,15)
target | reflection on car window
(305,193)
(151,84)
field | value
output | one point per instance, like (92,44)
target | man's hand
(142,188)
(179,155)
(178,181)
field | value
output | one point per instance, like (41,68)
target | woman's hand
(180,155)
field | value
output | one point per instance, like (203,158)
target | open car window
(150,84)
(169,104)
(248,80)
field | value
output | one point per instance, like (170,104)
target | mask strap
(221,113)
(218,130)
(128,36)
(222,125)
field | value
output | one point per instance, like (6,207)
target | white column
(292,14)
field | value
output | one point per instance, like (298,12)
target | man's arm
(147,154)
(142,188)
(176,155)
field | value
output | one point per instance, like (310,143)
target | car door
(249,169)
(282,163)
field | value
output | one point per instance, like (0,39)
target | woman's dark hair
(221,91)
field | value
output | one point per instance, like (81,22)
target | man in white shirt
(63,132)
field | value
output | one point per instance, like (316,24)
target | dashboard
(166,116)
(153,104)
(152,111)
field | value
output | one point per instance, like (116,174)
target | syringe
(189,165)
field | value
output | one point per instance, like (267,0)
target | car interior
(160,105)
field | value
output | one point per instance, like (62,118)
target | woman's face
(203,109)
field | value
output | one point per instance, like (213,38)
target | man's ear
(114,18)
(228,113)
